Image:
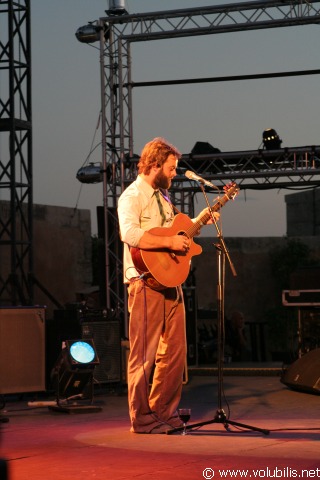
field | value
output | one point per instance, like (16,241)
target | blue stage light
(82,352)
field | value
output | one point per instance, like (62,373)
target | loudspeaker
(106,337)
(67,324)
(115,247)
(304,373)
(3,469)
(190,303)
(305,278)
(22,349)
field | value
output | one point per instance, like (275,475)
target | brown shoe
(161,428)
(175,422)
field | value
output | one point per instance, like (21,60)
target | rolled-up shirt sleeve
(129,210)
(138,212)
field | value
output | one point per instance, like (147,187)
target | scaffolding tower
(117,33)
(256,169)
(16,245)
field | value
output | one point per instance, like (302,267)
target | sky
(230,116)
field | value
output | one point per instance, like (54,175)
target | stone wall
(303,213)
(252,290)
(272,334)
(62,254)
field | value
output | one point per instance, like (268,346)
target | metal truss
(257,169)
(15,154)
(118,32)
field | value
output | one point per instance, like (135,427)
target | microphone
(193,176)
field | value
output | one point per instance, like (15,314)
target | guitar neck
(206,216)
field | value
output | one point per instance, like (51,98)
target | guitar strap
(165,195)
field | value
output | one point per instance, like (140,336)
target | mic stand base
(220,417)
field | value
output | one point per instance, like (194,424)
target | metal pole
(104,162)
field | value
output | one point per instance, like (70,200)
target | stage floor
(41,444)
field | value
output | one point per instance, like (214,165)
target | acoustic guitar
(163,268)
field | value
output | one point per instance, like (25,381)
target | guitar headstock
(231,190)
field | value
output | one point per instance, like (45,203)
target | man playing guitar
(155,299)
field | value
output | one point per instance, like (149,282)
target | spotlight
(199,159)
(271,139)
(117,7)
(89,33)
(73,374)
(82,353)
(91,173)
(131,160)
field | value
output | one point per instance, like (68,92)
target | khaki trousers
(157,341)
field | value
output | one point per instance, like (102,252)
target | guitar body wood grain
(169,268)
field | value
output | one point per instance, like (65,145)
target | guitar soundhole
(182,254)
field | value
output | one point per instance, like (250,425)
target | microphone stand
(222,254)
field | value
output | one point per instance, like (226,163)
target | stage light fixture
(88,33)
(72,377)
(117,7)
(200,158)
(131,160)
(82,353)
(271,139)
(91,173)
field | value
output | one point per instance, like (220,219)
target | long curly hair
(156,153)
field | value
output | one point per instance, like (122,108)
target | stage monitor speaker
(22,349)
(66,324)
(304,373)
(106,337)
(190,302)
(3,469)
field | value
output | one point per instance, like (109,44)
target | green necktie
(163,215)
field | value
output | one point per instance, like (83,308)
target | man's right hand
(180,243)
